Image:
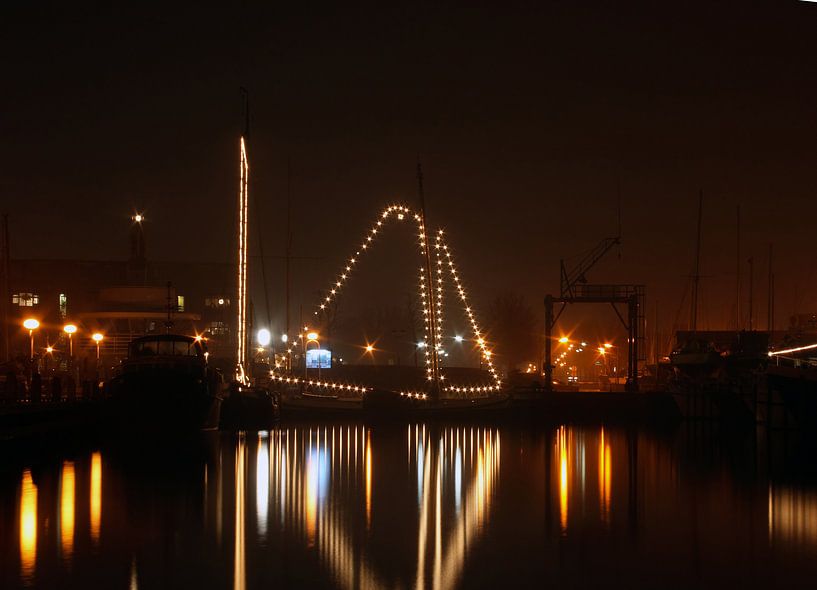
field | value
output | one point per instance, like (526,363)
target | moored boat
(166,383)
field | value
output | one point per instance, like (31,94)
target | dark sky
(528,117)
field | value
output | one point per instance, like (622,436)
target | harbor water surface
(412,506)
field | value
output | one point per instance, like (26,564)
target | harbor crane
(574,288)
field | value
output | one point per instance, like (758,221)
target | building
(120,299)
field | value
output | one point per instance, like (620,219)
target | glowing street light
(458,338)
(138,218)
(312,337)
(369,348)
(31,324)
(564,340)
(608,345)
(264,337)
(97,337)
(70,329)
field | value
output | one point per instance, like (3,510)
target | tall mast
(289,242)
(751,292)
(5,285)
(243,222)
(432,310)
(696,278)
(770,311)
(738,323)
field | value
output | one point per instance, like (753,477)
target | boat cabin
(167,345)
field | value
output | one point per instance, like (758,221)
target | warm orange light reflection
(28,526)
(67,507)
(368,480)
(792,516)
(96,495)
(239,574)
(605,476)
(561,444)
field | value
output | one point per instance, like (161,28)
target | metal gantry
(574,289)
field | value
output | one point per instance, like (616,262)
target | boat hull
(164,401)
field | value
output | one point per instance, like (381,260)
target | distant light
(369,348)
(563,339)
(221,301)
(199,338)
(49,349)
(421,345)
(608,345)
(264,336)
(584,343)
(284,337)
(312,336)
(70,329)
(458,338)
(97,337)
(602,350)
(138,218)
(31,324)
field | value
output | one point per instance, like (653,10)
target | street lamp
(70,329)
(31,324)
(97,337)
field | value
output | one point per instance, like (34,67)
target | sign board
(318,358)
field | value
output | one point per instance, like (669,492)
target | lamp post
(97,337)
(70,329)
(31,324)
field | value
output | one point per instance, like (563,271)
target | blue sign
(318,358)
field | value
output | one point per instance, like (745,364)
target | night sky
(529,119)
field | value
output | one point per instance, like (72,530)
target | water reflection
(28,527)
(67,508)
(96,495)
(398,506)
(792,516)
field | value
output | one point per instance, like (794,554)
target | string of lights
(444,263)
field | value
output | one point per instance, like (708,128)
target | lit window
(25,299)
(180,302)
(218,329)
(63,306)
(216,302)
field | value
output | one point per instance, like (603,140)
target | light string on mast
(438,288)
(485,352)
(431,335)
(243,211)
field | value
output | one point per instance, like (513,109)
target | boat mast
(770,320)
(696,277)
(738,323)
(434,385)
(243,222)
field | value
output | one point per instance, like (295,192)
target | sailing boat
(247,407)
(695,354)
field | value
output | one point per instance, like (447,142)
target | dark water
(331,505)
